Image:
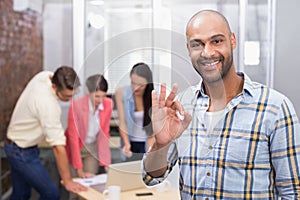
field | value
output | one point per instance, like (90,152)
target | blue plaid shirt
(253,151)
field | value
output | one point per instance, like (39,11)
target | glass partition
(258,58)
(116,34)
(119,33)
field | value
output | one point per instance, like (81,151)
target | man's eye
(195,45)
(218,41)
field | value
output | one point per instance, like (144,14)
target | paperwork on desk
(99,179)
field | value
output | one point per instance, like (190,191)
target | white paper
(99,179)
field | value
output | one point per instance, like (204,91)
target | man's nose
(207,51)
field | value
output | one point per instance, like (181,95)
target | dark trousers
(27,172)
(138,150)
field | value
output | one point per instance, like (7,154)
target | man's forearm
(62,162)
(156,160)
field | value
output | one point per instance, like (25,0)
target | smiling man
(36,116)
(238,140)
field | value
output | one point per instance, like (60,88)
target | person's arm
(166,128)
(60,154)
(150,142)
(156,161)
(284,150)
(49,113)
(122,123)
(73,141)
(103,137)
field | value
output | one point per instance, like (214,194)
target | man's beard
(225,63)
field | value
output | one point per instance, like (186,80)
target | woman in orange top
(88,129)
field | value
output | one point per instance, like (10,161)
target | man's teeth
(211,64)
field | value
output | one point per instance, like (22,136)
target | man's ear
(188,48)
(54,86)
(233,40)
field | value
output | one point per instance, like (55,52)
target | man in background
(36,116)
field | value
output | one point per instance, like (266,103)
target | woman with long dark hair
(134,112)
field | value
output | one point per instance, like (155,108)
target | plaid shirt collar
(198,89)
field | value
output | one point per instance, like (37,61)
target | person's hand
(83,174)
(126,150)
(74,187)
(86,175)
(106,169)
(166,125)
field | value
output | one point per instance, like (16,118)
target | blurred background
(109,36)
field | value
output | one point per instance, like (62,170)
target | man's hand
(63,168)
(166,125)
(166,128)
(74,187)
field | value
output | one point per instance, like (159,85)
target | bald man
(238,140)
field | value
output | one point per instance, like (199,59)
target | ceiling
(148,3)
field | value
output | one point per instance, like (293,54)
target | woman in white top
(133,105)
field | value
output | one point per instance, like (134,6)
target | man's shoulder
(40,86)
(43,75)
(45,72)
(40,81)
(259,89)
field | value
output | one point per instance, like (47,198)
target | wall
(287,69)
(57,35)
(21,55)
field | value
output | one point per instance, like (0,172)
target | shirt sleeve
(285,151)
(103,137)
(73,140)
(49,115)
(171,161)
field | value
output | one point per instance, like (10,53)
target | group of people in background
(235,139)
(88,130)
(85,142)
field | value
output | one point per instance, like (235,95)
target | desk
(93,194)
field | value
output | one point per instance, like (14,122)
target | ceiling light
(96,2)
(97,21)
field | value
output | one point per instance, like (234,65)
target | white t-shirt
(212,118)
(139,134)
(94,123)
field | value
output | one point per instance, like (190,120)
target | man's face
(210,46)
(65,94)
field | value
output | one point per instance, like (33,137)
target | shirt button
(210,147)
(202,125)
(208,173)
(205,105)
